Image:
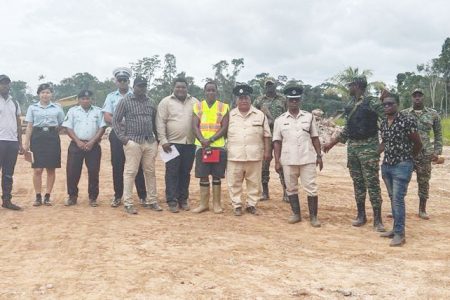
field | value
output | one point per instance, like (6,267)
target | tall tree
(226,78)
(147,67)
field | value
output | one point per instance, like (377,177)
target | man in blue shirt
(85,126)
(122,76)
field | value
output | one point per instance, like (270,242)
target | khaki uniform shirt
(295,135)
(246,135)
(174,120)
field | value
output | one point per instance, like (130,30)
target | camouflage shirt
(428,120)
(376,105)
(276,106)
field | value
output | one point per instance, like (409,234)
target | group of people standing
(237,142)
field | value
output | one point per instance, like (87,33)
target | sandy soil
(102,253)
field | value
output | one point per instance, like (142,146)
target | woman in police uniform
(42,139)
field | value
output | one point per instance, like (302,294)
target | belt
(45,128)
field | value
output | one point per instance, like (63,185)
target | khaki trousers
(136,154)
(237,171)
(307,174)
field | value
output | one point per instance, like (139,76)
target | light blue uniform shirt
(84,123)
(112,100)
(50,116)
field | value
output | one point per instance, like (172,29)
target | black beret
(293,91)
(242,90)
(85,93)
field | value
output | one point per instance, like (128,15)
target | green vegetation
(446,131)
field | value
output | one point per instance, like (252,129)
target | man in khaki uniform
(248,145)
(297,153)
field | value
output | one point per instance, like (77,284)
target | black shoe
(47,201)
(93,202)
(131,210)
(154,206)
(377,221)
(173,209)
(70,201)
(398,240)
(252,210)
(238,211)
(387,234)
(9,205)
(361,218)
(38,200)
(116,202)
(185,206)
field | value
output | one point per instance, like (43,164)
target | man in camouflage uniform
(361,134)
(427,119)
(272,105)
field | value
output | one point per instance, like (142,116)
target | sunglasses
(388,104)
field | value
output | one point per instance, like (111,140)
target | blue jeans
(397,178)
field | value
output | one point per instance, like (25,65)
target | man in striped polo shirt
(138,135)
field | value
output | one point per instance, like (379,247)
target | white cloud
(308,40)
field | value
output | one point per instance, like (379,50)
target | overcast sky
(307,40)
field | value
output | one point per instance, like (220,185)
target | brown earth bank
(82,252)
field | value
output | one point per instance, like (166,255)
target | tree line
(330,96)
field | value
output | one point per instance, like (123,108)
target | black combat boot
(8,204)
(423,209)
(295,205)
(361,219)
(265,192)
(313,203)
(377,222)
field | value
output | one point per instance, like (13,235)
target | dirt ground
(102,253)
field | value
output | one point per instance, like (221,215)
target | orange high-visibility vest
(210,119)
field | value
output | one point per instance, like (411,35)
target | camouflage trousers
(422,166)
(364,164)
(266,174)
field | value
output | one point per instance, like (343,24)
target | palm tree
(339,82)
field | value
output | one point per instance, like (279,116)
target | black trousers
(75,159)
(118,164)
(178,175)
(8,158)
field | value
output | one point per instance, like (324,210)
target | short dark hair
(45,86)
(210,82)
(391,95)
(180,79)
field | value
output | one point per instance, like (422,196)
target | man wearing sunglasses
(427,120)
(122,76)
(401,144)
(361,135)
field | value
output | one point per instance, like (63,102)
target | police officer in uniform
(248,145)
(85,126)
(361,135)
(297,153)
